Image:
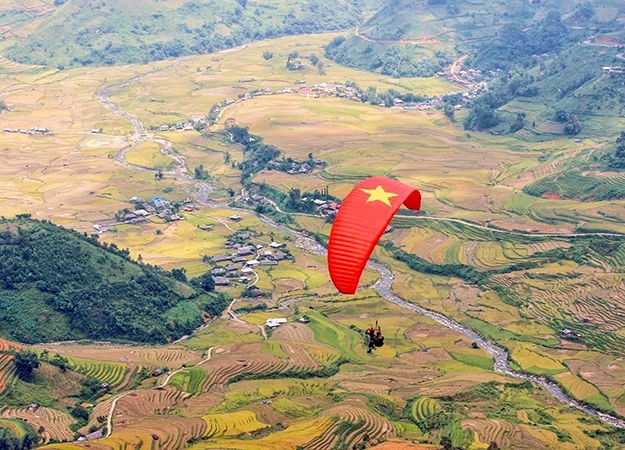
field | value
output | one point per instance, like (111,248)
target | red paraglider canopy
(364,215)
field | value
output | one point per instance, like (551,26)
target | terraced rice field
(352,421)
(423,408)
(296,332)
(190,380)
(505,434)
(17,427)
(170,356)
(237,359)
(231,424)
(55,423)
(111,373)
(148,402)
(7,369)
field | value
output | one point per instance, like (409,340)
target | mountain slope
(119,32)
(57,284)
(494,33)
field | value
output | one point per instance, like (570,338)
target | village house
(253,292)
(268,262)
(246,251)
(275,245)
(569,334)
(247,270)
(220,258)
(279,256)
(252,263)
(274,323)
(220,281)
(141,212)
(163,128)
(205,227)
(95,435)
(307,92)
(235,218)
(102,228)
(238,259)
(218,271)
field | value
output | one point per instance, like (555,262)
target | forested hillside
(120,32)
(56,284)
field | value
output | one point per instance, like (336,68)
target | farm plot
(111,373)
(231,424)
(138,404)
(236,360)
(505,434)
(352,421)
(171,356)
(190,380)
(7,369)
(55,423)
(294,436)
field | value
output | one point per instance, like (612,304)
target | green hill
(418,38)
(56,284)
(120,32)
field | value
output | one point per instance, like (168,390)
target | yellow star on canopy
(379,194)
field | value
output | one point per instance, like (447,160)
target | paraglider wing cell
(364,215)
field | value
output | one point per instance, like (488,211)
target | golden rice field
(257,392)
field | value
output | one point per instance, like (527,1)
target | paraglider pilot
(375,337)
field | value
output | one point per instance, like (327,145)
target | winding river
(383,286)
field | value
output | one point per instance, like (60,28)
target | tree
(3,105)
(493,446)
(80,413)
(267,55)
(573,125)
(313,59)
(200,173)
(179,274)
(25,362)
(446,443)
(205,282)
(449,111)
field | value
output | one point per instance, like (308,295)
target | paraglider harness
(375,337)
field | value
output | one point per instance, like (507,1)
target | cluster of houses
(569,334)
(180,126)
(240,263)
(615,69)
(321,90)
(275,323)
(295,168)
(157,206)
(34,130)
(325,90)
(324,207)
